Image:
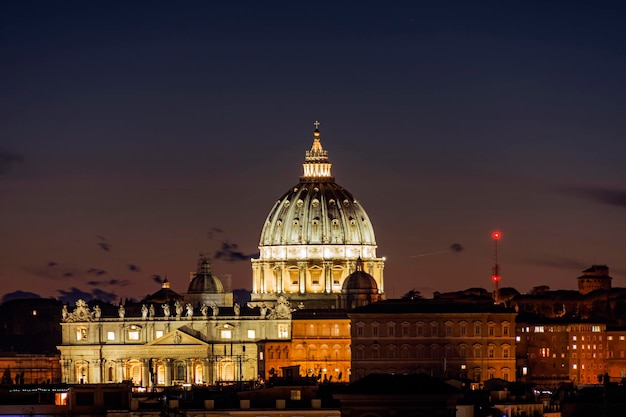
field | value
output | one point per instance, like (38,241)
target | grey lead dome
(317,210)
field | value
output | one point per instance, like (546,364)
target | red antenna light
(496,235)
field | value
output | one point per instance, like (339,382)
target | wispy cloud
(74,294)
(560,263)
(110,282)
(8,160)
(602,195)
(230,252)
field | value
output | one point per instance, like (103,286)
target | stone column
(120,370)
(255,277)
(167,362)
(302,276)
(67,372)
(328,276)
(145,373)
(190,371)
(280,269)
(381,281)
(263,288)
(206,375)
(95,373)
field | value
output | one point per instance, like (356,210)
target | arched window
(180,372)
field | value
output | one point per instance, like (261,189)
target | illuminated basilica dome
(312,238)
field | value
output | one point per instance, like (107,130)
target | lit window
(610,337)
(574,347)
(133,335)
(539,329)
(81,334)
(159,333)
(251,334)
(110,335)
(574,366)
(621,337)
(574,338)
(283,331)
(517,338)
(226,334)
(296,395)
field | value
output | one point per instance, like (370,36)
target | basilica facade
(317,247)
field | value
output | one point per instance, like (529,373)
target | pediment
(177,337)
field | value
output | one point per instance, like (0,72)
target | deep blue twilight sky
(134,135)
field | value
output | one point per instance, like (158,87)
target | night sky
(135,135)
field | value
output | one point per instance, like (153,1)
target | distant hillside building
(594,278)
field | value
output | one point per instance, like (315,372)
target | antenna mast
(495,277)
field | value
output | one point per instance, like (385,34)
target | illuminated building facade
(211,347)
(320,344)
(460,340)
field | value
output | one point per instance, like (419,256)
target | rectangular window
(133,335)
(505,330)
(251,334)
(420,330)
(158,333)
(359,331)
(463,330)
(283,331)
(226,334)
(405,331)
(448,330)
(477,330)
(433,330)
(81,334)
(375,331)
(110,335)
(391,331)
(491,330)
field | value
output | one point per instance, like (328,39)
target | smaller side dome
(360,280)
(204,282)
(164,295)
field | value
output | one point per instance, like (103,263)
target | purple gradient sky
(145,125)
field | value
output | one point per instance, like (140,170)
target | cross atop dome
(316,164)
